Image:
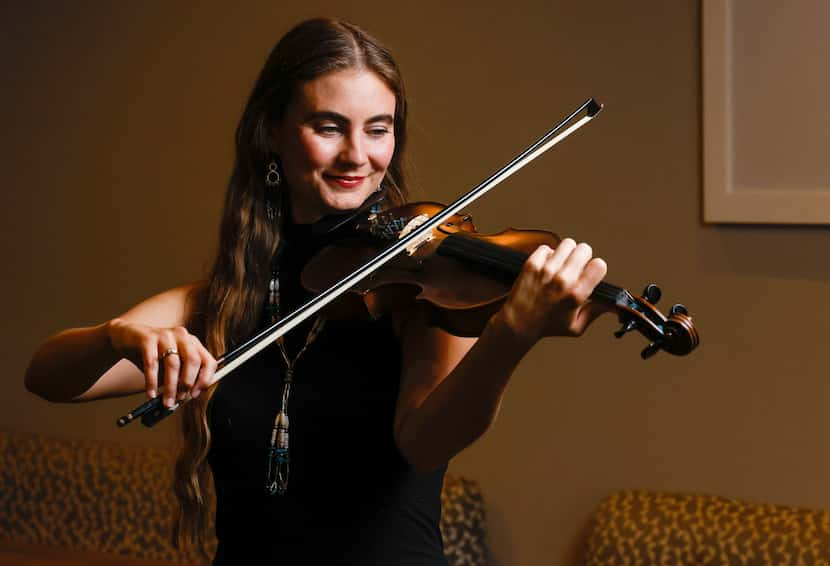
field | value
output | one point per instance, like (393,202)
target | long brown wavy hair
(227,307)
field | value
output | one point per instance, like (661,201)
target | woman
(331,445)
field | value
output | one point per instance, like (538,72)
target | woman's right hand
(170,355)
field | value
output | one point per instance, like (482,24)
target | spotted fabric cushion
(462,522)
(87,496)
(98,496)
(661,528)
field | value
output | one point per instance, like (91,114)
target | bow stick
(152,411)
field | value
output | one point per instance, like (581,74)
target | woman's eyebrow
(326,115)
(341,119)
(381,118)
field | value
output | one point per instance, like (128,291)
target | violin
(463,277)
(405,240)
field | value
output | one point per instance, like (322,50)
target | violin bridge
(412,225)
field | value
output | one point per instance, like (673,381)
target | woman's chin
(332,201)
(345,201)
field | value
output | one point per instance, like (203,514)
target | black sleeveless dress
(352,498)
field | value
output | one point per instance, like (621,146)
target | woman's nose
(354,151)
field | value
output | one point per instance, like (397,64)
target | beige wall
(118,123)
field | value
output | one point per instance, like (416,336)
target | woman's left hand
(550,296)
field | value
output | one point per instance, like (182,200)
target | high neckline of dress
(295,234)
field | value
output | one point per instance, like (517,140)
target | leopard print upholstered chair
(644,528)
(95,496)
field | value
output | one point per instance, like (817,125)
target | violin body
(463,277)
(461,295)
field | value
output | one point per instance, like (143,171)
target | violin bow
(153,411)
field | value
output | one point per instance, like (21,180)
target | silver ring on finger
(170,352)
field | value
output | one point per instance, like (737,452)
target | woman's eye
(378,132)
(328,129)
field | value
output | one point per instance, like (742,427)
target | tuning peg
(678,309)
(626,327)
(651,349)
(652,293)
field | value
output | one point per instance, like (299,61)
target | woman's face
(335,142)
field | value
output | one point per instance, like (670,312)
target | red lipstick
(346,181)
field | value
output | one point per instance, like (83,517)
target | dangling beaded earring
(273,179)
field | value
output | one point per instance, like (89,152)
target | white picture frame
(749,98)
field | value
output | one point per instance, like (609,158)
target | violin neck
(507,263)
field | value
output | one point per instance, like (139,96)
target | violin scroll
(675,334)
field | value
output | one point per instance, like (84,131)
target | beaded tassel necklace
(278,455)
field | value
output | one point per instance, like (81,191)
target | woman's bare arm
(82,364)
(452,388)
